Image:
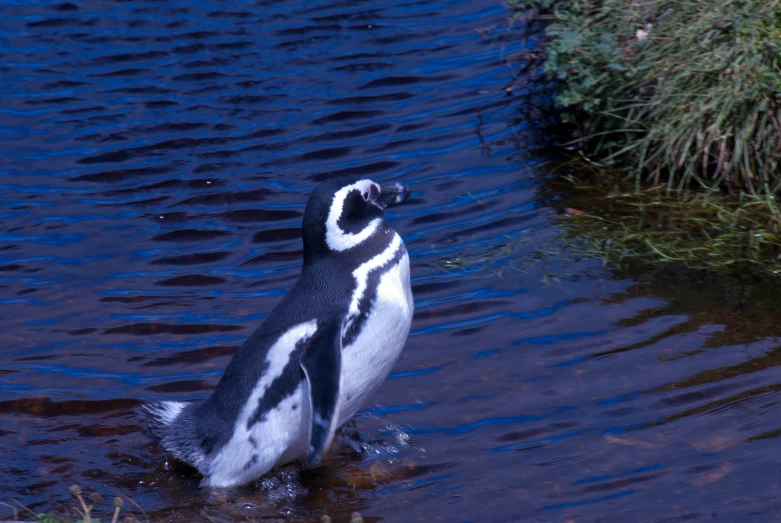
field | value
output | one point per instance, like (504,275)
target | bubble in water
(401,437)
(282,484)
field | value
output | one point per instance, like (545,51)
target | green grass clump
(684,92)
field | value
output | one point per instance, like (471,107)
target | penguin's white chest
(369,359)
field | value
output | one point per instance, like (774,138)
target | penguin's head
(342,213)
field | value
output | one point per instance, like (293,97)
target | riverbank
(678,108)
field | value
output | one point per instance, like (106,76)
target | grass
(673,113)
(686,94)
(83,510)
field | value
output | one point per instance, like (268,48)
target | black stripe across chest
(369,295)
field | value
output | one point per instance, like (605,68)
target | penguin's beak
(391,194)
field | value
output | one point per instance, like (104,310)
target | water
(155,161)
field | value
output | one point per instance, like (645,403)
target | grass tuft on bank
(684,93)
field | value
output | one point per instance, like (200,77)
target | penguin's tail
(171,424)
(157,419)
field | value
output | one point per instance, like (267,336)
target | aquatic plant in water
(738,235)
(84,510)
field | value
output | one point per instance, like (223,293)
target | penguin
(321,352)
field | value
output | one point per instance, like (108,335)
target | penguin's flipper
(322,364)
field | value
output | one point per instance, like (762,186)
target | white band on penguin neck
(338,239)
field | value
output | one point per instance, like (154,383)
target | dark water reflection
(156,160)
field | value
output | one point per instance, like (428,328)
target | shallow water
(155,161)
